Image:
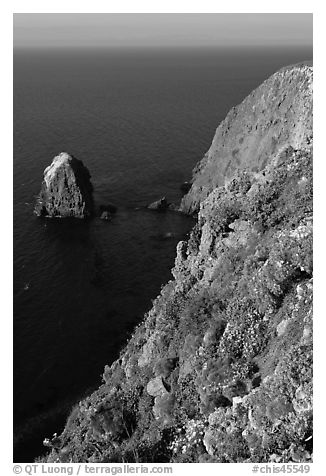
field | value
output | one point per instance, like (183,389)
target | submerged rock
(163,236)
(66,189)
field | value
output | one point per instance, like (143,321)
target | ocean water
(139,120)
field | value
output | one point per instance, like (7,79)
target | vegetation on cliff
(220,369)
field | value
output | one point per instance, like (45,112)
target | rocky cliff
(278,113)
(220,369)
(66,190)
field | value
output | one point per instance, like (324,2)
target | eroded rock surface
(66,190)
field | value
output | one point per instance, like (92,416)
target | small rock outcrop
(106,216)
(159,205)
(107,211)
(66,189)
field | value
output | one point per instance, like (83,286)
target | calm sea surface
(140,120)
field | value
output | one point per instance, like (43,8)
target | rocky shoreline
(220,369)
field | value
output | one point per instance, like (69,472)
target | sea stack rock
(66,189)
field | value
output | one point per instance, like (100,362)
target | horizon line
(163,47)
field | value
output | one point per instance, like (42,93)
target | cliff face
(276,114)
(66,190)
(220,370)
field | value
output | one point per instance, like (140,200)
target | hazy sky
(161,29)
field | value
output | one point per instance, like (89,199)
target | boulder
(66,190)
